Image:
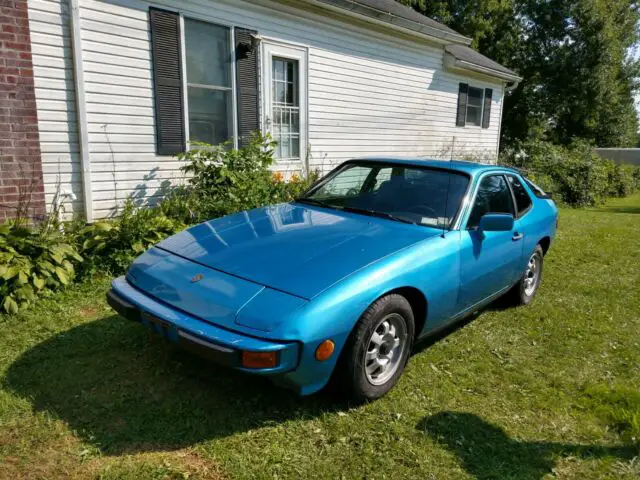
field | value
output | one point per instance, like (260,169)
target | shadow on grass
(619,209)
(487,452)
(125,394)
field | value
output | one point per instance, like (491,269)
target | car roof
(470,168)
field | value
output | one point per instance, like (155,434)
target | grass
(546,391)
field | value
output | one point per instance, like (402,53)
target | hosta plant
(111,245)
(33,263)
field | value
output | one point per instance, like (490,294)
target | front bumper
(223,346)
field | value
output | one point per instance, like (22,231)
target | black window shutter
(167,81)
(462,105)
(486,111)
(248,91)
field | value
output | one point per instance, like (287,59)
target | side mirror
(496,222)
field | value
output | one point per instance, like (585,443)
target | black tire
(520,294)
(350,375)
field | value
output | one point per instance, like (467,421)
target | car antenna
(446,201)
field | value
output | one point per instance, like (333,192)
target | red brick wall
(21,187)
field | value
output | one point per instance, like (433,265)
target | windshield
(399,192)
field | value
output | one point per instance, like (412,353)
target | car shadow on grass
(486,451)
(125,393)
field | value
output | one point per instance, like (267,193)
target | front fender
(431,266)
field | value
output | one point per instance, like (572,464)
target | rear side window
(537,191)
(523,201)
(493,197)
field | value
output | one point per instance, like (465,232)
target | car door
(525,216)
(490,261)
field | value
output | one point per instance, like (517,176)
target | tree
(579,80)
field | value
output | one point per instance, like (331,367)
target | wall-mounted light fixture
(244,49)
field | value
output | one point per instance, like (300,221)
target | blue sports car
(343,281)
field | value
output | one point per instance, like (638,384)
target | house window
(205,79)
(474,106)
(208,70)
(286,108)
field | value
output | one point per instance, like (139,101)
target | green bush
(33,262)
(622,180)
(111,245)
(224,181)
(575,174)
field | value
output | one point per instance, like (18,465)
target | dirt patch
(88,312)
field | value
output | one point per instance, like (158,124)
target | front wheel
(377,349)
(525,290)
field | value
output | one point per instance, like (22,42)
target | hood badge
(197,278)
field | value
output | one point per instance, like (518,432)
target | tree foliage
(574,55)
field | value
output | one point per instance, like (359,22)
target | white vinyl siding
(369,92)
(53,81)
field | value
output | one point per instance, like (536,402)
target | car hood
(293,248)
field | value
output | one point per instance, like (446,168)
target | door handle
(517,236)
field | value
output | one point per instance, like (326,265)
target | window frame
(296,104)
(233,128)
(456,219)
(466,110)
(486,102)
(513,195)
(472,201)
(269,49)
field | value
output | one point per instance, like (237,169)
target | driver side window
(493,196)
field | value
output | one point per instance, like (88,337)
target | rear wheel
(377,349)
(525,290)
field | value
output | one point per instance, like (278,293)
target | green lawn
(546,391)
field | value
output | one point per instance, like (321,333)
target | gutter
(389,20)
(489,71)
(81,109)
(452,62)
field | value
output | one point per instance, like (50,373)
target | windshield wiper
(375,213)
(319,203)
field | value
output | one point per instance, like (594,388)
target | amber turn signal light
(259,359)
(325,350)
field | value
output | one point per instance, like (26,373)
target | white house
(121,86)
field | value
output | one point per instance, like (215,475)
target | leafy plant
(113,244)
(33,262)
(224,180)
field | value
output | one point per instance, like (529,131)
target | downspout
(504,92)
(506,88)
(81,108)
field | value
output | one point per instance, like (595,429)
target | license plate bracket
(157,324)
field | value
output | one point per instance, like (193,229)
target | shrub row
(575,174)
(38,260)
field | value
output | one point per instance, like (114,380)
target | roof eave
(387,19)
(452,62)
